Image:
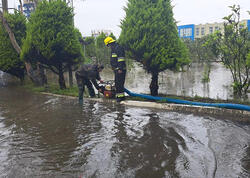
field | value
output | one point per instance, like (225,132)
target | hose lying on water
(178,101)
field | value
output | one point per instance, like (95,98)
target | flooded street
(47,136)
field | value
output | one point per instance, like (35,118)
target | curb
(222,113)
(231,114)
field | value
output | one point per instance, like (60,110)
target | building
(96,33)
(193,31)
(28,7)
(202,30)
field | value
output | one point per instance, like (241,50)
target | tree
(199,51)
(233,48)
(149,34)
(248,59)
(9,58)
(112,36)
(52,39)
(89,47)
(95,48)
(71,64)
(102,52)
(35,75)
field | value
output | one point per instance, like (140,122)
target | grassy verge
(52,88)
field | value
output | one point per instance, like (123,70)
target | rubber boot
(80,101)
(92,93)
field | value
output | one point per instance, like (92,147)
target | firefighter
(118,65)
(87,75)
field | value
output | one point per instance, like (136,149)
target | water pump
(108,88)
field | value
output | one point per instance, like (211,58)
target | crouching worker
(87,75)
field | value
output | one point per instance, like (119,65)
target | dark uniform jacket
(89,72)
(117,59)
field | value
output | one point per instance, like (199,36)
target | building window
(216,28)
(197,31)
(211,29)
(181,32)
(189,31)
(186,32)
(202,31)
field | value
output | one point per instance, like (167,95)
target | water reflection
(156,151)
(188,83)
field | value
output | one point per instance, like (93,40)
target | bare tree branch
(10,33)
(21,6)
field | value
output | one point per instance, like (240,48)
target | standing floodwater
(45,136)
(187,83)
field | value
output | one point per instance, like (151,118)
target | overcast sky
(107,14)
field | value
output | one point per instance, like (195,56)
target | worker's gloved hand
(101,89)
(101,81)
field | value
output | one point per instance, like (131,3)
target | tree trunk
(21,6)
(70,76)
(154,84)
(5,5)
(41,75)
(61,78)
(237,89)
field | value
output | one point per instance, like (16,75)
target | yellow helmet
(108,40)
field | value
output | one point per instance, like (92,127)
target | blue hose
(177,101)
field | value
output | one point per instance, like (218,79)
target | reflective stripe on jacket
(117,59)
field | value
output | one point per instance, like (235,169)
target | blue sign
(186,31)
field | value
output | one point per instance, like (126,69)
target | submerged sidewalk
(220,113)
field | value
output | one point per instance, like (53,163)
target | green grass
(73,91)
(52,88)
